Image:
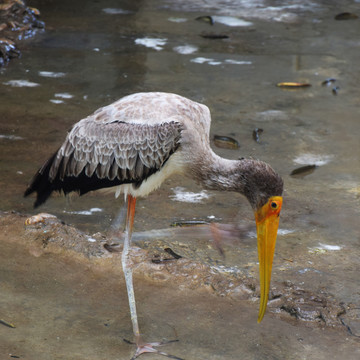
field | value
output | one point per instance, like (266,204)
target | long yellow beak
(267,223)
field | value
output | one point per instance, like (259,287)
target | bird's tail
(41,183)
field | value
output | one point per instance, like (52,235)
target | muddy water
(92,55)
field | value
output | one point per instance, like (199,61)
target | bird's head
(263,188)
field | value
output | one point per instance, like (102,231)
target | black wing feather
(98,155)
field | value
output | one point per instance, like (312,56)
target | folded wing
(100,154)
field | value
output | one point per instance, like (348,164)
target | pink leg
(125,263)
(142,348)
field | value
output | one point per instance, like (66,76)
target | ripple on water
(154,43)
(187,196)
(51,74)
(21,83)
(186,49)
(315,159)
(84,212)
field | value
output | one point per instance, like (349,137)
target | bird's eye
(274,205)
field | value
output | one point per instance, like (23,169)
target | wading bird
(139,141)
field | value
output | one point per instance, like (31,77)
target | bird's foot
(143,348)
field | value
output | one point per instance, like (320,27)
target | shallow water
(91,55)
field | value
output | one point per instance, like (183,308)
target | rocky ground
(44,233)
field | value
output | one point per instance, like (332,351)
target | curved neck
(216,173)
(254,179)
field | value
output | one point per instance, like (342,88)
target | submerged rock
(17,22)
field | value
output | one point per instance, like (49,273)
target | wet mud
(45,236)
